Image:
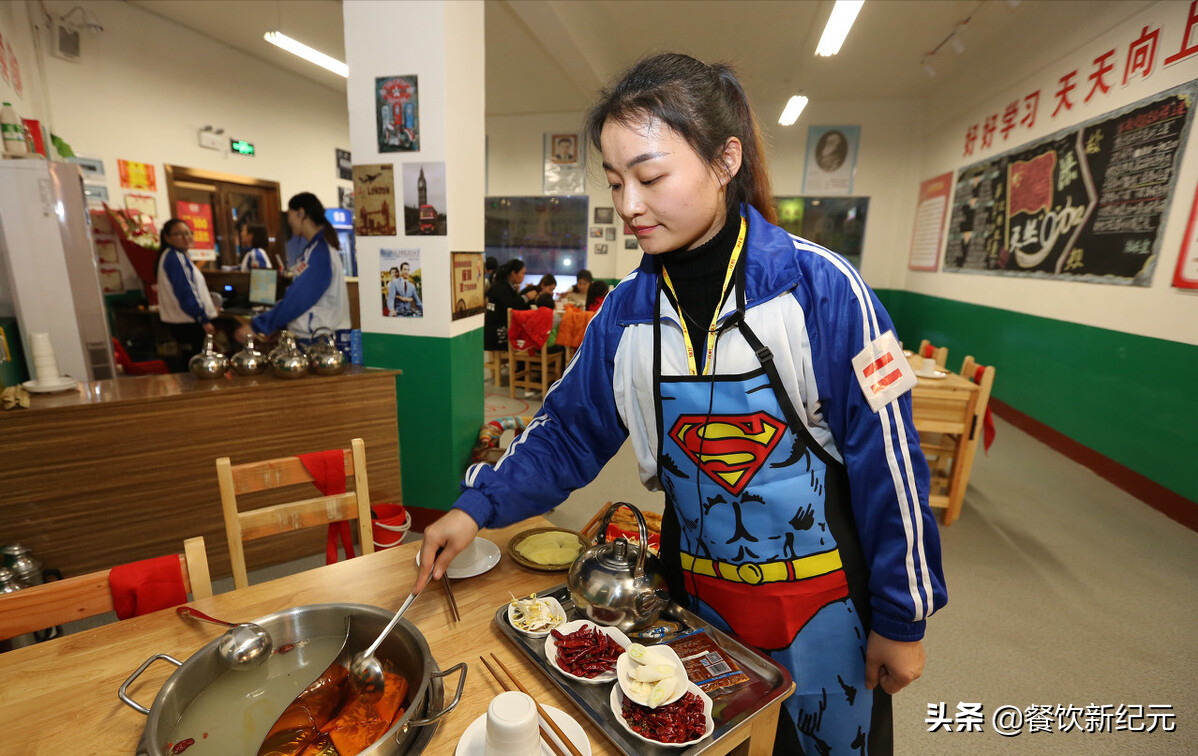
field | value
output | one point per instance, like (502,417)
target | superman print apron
(761,532)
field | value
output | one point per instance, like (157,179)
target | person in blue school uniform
(319,297)
(796,494)
(402,297)
(253,237)
(185,305)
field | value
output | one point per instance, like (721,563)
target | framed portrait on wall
(604,214)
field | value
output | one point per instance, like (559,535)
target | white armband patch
(882,371)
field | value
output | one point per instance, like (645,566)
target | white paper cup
(928,367)
(45,368)
(39,343)
(512,726)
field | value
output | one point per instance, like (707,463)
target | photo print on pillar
(374,197)
(397,110)
(424,199)
(467,282)
(401,289)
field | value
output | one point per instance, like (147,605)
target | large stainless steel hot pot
(405,648)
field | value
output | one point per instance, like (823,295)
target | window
(548,233)
(837,223)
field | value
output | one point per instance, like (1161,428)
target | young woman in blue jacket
(185,305)
(796,493)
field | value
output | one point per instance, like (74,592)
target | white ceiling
(554,55)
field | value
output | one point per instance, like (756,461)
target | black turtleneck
(697,275)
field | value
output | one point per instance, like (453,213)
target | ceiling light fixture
(279,39)
(794,107)
(844,13)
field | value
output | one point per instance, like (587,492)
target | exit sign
(242,147)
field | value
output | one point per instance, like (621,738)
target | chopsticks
(545,718)
(453,605)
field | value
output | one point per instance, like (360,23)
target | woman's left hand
(892,664)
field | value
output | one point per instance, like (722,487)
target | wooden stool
(494,363)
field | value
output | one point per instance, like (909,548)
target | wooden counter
(122,470)
(60,697)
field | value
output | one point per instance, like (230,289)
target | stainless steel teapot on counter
(209,363)
(251,360)
(323,355)
(619,584)
(287,359)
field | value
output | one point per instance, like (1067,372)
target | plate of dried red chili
(585,651)
(682,723)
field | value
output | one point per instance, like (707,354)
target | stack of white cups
(45,364)
(512,726)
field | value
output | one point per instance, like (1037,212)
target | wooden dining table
(60,697)
(947,406)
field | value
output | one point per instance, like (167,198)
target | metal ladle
(365,671)
(243,646)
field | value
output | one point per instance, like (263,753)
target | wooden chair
(76,598)
(940,354)
(938,448)
(495,359)
(532,370)
(251,477)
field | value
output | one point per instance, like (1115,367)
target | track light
(279,39)
(794,107)
(929,69)
(956,42)
(844,13)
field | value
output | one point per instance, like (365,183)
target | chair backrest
(969,371)
(940,354)
(528,330)
(76,598)
(251,477)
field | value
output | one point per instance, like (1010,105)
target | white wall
(145,86)
(1160,310)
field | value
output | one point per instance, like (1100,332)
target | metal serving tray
(768,681)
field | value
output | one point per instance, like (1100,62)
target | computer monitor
(264,285)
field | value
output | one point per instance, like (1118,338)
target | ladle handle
(187,611)
(390,625)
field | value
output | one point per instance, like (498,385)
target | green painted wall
(439,399)
(1128,397)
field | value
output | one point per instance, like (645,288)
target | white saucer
(487,555)
(474,740)
(61,383)
(938,375)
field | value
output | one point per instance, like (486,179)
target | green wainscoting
(1130,398)
(439,399)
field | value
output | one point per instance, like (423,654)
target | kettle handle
(642,532)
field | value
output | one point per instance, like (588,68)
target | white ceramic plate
(625,664)
(61,383)
(474,740)
(486,556)
(555,610)
(569,627)
(617,707)
(939,375)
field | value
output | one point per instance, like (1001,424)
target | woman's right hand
(448,535)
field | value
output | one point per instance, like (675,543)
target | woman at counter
(796,501)
(503,296)
(319,297)
(254,238)
(184,303)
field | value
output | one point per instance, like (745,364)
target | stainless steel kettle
(287,359)
(209,363)
(619,584)
(251,360)
(323,356)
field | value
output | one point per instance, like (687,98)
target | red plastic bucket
(389,525)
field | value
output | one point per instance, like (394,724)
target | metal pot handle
(452,704)
(123,692)
(642,531)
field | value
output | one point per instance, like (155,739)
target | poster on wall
(466,283)
(565,164)
(929,222)
(1085,204)
(374,200)
(137,175)
(1186,275)
(199,217)
(397,108)
(345,165)
(145,204)
(831,159)
(345,198)
(424,199)
(401,287)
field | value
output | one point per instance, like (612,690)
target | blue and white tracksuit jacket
(317,299)
(868,557)
(255,258)
(183,295)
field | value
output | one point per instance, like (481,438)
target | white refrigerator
(49,279)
